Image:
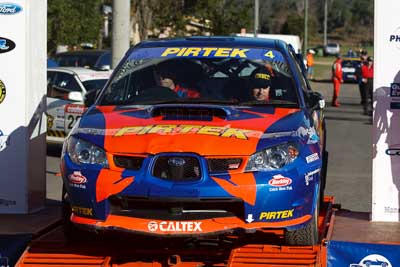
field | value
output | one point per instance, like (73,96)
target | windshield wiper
(270,102)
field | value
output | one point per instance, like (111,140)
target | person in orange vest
(310,63)
(367,74)
(337,79)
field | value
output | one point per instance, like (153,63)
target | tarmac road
(349,142)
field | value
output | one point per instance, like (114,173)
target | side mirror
(316,101)
(105,67)
(75,96)
(90,97)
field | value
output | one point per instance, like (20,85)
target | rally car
(205,157)
(66,87)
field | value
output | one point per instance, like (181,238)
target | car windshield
(350,63)
(202,75)
(94,84)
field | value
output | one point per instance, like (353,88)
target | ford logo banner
(9,9)
(176,162)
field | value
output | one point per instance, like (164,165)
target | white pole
(256,10)
(120,29)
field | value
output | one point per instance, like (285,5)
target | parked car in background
(351,68)
(92,59)
(331,49)
(66,88)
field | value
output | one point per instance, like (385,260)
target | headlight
(273,157)
(83,152)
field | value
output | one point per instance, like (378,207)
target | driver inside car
(260,85)
(167,77)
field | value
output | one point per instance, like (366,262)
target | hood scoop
(189,113)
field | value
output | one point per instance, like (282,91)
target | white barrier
(23,32)
(386,120)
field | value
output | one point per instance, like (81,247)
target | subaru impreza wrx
(203,156)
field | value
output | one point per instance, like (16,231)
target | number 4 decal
(269,54)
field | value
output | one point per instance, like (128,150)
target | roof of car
(83,52)
(84,74)
(230,41)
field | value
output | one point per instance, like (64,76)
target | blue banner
(351,254)
(11,248)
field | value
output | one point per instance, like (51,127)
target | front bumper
(213,226)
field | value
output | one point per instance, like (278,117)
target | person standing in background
(337,79)
(310,63)
(363,61)
(367,74)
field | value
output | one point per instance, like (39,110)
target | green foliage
(71,22)
(75,21)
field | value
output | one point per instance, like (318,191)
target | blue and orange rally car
(200,136)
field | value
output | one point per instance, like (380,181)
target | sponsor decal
(249,218)
(188,129)
(205,52)
(394,38)
(6,202)
(309,133)
(280,183)
(4,261)
(77,180)
(82,211)
(60,113)
(392,210)
(393,150)
(372,260)
(394,105)
(6,45)
(309,176)
(2,91)
(50,121)
(174,226)
(395,89)
(9,9)
(75,109)
(279,180)
(4,141)
(313,157)
(273,215)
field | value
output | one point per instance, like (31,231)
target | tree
(71,22)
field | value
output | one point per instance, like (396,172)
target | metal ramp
(52,249)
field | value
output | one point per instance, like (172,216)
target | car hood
(205,130)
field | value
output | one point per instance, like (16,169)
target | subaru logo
(9,8)
(176,162)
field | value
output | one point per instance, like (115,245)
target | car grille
(127,162)
(177,168)
(221,165)
(168,208)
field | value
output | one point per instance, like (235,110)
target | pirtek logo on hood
(187,129)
